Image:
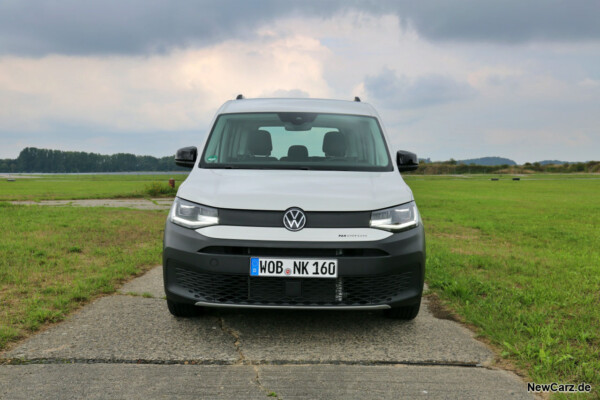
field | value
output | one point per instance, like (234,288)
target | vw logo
(294,219)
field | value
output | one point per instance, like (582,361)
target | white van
(295,203)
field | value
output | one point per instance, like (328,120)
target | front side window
(291,140)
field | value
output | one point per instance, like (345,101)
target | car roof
(298,105)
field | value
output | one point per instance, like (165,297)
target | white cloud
(591,83)
(524,93)
(179,90)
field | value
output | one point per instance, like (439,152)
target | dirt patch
(140,204)
(457,236)
(457,233)
(467,252)
(438,310)
(10,176)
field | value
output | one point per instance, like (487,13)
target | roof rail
(357,99)
(240,97)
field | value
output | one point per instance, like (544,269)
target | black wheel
(183,309)
(405,312)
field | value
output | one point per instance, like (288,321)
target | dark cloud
(40,27)
(508,21)
(81,27)
(392,91)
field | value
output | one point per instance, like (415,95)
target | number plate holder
(294,267)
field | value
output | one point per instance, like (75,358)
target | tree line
(32,159)
(453,167)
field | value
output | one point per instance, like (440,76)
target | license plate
(293,267)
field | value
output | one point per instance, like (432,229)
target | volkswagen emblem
(294,219)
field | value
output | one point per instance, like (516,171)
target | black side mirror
(186,157)
(406,161)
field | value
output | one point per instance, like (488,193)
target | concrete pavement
(101,381)
(129,346)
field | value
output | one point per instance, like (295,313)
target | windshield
(291,140)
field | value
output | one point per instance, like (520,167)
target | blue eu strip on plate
(254,266)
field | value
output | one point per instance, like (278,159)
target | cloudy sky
(461,79)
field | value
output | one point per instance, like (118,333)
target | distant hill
(487,161)
(555,162)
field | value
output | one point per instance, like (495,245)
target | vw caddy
(295,203)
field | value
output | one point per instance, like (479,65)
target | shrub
(159,189)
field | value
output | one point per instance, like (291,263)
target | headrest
(334,144)
(297,153)
(259,143)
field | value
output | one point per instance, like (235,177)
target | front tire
(405,313)
(183,310)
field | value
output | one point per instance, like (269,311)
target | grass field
(517,260)
(74,187)
(520,261)
(53,259)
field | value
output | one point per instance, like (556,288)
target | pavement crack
(242,360)
(236,336)
(258,383)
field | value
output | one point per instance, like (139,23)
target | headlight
(192,215)
(396,219)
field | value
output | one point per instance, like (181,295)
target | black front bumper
(372,274)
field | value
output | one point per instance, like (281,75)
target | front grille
(314,219)
(243,289)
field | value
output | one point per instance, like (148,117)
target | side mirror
(186,157)
(406,161)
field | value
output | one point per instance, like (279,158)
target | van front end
(330,267)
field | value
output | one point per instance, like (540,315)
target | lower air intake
(243,289)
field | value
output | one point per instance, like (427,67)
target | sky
(461,79)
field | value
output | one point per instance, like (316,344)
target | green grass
(521,262)
(53,259)
(72,187)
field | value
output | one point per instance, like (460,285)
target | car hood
(311,190)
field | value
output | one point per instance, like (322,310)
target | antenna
(240,97)
(357,99)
